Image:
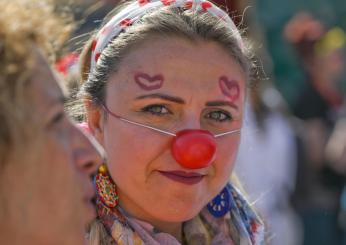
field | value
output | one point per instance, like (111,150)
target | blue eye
(219,116)
(158,110)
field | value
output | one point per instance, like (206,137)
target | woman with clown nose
(163,85)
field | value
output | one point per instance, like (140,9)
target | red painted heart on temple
(148,82)
(229,88)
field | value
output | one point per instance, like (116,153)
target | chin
(180,213)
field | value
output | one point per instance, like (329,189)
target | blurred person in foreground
(318,107)
(45,161)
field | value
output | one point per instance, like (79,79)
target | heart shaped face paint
(147,82)
(229,88)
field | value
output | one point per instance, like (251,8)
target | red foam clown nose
(193,148)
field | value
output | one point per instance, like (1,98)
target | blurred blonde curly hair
(24,24)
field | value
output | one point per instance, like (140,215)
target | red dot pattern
(126,22)
(93,45)
(167,2)
(97,56)
(206,5)
(143,2)
(188,5)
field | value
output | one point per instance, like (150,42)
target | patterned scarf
(240,226)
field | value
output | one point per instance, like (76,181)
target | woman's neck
(172,228)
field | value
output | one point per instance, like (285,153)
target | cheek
(227,150)
(54,191)
(64,178)
(131,150)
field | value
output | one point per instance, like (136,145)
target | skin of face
(136,155)
(46,185)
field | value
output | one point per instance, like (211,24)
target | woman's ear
(95,119)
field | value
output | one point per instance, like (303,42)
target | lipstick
(188,178)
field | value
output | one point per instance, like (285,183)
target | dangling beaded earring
(105,187)
(222,203)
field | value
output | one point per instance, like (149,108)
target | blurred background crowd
(292,159)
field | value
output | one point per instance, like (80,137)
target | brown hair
(165,22)
(24,24)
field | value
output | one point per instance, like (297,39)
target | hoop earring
(106,189)
(222,203)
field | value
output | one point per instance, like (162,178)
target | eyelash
(150,109)
(227,116)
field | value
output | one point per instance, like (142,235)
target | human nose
(88,153)
(189,122)
(193,148)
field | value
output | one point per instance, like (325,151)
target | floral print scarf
(240,226)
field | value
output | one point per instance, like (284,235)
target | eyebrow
(163,97)
(59,100)
(181,101)
(221,103)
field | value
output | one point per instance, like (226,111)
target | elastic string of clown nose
(135,123)
(191,148)
(105,108)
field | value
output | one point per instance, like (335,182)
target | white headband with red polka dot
(137,9)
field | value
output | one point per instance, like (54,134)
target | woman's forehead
(162,49)
(176,64)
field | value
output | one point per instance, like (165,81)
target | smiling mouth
(183,177)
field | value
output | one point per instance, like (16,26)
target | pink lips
(188,178)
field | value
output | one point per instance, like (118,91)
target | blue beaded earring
(222,203)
